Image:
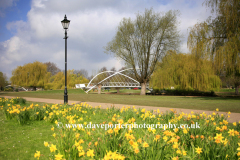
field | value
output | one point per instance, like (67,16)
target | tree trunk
(237,89)
(143,89)
(118,89)
(99,88)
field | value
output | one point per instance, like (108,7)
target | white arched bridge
(108,79)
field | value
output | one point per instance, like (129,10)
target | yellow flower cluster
(113,156)
(92,143)
(37,154)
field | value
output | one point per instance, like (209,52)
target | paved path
(234,117)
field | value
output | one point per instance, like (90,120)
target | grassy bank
(203,103)
(211,138)
(22,141)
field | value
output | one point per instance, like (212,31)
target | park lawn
(231,104)
(22,141)
(123,91)
(150,142)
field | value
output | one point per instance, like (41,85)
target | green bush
(18,101)
(8,89)
(182,92)
(48,86)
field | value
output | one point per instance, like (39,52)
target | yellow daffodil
(53,148)
(81,153)
(90,153)
(136,150)
(145,145)
(45,144)
(37,154)
(198,150)
(58,156)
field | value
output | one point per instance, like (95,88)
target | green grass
(203,103)
(122,91)
(226,90)
(22,141)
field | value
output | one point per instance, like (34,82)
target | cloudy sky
(31,30)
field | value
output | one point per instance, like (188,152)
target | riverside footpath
(234,117)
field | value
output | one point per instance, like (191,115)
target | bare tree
(113,69)
(142,43)
(52,68)
(103,69)
(81,72)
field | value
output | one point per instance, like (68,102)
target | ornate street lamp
(65,24)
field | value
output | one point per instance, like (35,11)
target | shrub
(182,92)
(8,89)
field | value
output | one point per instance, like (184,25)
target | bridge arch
(113,79)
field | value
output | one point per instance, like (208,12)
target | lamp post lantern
(65,24)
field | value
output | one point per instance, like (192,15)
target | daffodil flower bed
(215,139)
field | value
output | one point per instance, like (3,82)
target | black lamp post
(65,24)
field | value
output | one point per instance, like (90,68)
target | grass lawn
(203,103)
(22,141)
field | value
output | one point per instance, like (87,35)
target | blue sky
(16,11)
(31,30)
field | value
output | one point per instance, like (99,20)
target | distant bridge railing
(111,79)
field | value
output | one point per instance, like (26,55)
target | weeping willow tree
(218,39)
(30,75)
(72,79)
(3,80)
(184,71)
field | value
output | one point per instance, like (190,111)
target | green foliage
(32,75)
(3,80)
(36,75)
(184,72)
(5,101)
(182,92)
(72,79)
(48,86)
(18,101)
(212,134)
(218,39)
(8,89)
(16,109)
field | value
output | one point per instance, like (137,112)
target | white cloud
(93,24)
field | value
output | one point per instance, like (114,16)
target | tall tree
(81,72)
(3,80)
(218,39)
(103,69)
(31,75)
(141,43)
(183,72)
(52,68)
(113,69)
(72,80)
